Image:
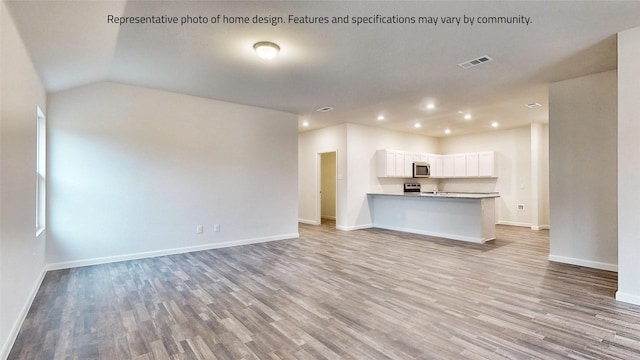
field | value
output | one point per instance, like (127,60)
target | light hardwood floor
(366,294)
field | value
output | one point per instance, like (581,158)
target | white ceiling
(361,71)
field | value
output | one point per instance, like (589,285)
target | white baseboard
(477,240)
(514,223)
(540,227)
(356,227)
(308,222)
(583,262)
(15,329)
(328,217)
(628,298)
(111,259)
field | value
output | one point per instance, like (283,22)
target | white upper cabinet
(487,164)
(408,164)
(472,164)
(394,163)
(399,172)
(399,164)
(460,165)
(436,165)
(386,163)
(448,166)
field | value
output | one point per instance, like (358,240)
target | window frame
(41,171)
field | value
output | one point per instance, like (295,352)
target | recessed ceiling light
(467,116)
(305,123)
(494,124)
(266,49)
(447,131)
(324,109)
(533,105)
(380,117)
(417,125)
(431,106)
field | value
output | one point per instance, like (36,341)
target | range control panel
(412,187)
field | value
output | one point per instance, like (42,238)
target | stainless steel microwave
(421,170)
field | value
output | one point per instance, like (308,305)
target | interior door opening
(328,188)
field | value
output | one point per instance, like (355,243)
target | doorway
(327,203)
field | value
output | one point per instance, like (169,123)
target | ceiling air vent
(325,109)
(474,62)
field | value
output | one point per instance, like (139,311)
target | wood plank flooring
(366,294)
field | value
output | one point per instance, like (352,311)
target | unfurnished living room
(319,180)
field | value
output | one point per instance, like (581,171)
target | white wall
(628,169)
(583,167)
(513,167)
(310,144)
(356,146)
(22,255)
(133,171)
(539,176)
(543,177)
(362,143)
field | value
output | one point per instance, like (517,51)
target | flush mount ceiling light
(417,125)
(495,124)
(305,123)
(447,131)
(266,49)
(430,106)
(467,117)
(380,117)
(533,105)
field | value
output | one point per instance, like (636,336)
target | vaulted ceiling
(362,71)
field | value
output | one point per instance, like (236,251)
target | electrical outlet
(520,207)
(199,229)
(216,227)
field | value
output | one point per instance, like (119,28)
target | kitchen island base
(463,218)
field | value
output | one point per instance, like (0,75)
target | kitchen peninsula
(459,216)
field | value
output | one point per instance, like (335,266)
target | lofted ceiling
(362,71)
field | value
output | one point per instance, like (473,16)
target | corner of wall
(26,261)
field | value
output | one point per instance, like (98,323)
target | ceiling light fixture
(266,49)
(447,131)
(533,105)
(431,106)
(467,117)
(495,124)
(380,117)
(305,123)
(417,125)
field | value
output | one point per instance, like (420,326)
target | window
(41,171)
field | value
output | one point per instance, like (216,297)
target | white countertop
(442,194)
